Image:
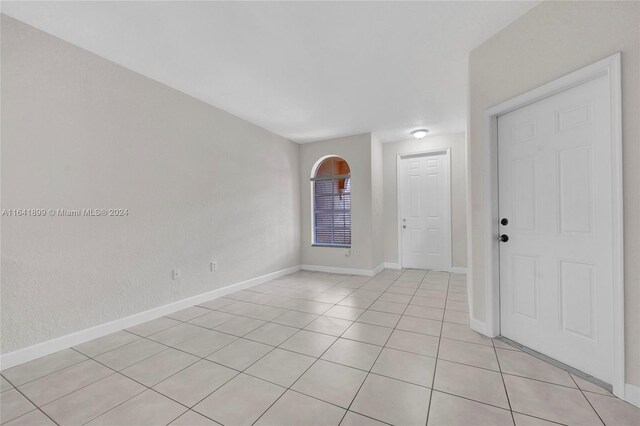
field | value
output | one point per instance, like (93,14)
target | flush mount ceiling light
(420,133)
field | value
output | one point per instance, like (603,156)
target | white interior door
(556,269)
(425,211)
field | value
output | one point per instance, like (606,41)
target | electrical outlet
(214,266)
(176,274)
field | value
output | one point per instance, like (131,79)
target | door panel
(556,281)
(525,286)
(432,188)
(425,212)
(577,303)
(576,201)
(523,174)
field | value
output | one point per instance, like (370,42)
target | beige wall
(377,209)
(458,193)
(200,184)
(551,40)
(357,151)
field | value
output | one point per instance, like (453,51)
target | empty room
(320,213)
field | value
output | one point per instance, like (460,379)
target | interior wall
(80,132)
(377,207)
(551,40)
(356,150)
(456,142)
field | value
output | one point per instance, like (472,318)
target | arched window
(331,189)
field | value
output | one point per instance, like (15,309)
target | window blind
(332,210)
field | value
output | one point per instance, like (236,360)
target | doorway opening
(553,197)
(424,210)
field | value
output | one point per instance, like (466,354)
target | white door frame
(447,158)
(610,67)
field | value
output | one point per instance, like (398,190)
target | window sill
(331,245)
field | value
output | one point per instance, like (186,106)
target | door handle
(504,238)
(404,226)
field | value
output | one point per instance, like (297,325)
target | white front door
(556,269)
(425,211)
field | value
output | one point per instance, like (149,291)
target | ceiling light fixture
(420,133)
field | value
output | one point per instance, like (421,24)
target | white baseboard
(340,270)
(478,326)
(38,350)
(481,327)
(632,394)
(378,269)
(11,359)
(454,269)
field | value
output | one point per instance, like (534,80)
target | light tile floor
(308,349)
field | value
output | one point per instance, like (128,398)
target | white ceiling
(305,70)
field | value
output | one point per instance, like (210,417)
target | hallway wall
(199,184)
(356,150)
(456,142)
(552,40)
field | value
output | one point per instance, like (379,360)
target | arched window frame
(339,212)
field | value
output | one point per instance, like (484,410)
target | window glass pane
(323,202)
(325,169)
(332,166)
(332,203)
(342,185)
(342,220)
(342,202)
(342,236)
(340,167)
(324,186)
(324,236)
(324,219)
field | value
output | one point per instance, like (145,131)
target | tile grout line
(379,353)
(193,411)
(146,388)
(189,408)
(435,366)
(239,373)
(167,347)
(289,310)
(540,418)
(385,291)
(341,336)
(32,403)
(205,329)
(466,398)
(504,385)
(200,359)
(376,360)
(53,372)
(312,364)
(81,387)
(587,399)
(275,347)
